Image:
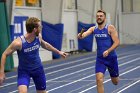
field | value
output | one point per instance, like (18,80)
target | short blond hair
(31,23)
(102,11)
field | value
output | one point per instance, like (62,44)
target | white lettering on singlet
(100,35)
(31,48)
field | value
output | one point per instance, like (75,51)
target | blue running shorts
(37,75)
(110,63)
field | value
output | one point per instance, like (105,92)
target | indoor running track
(76,74)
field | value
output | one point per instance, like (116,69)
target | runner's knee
(115,81)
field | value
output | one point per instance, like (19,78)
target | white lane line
(14,76)
(86,62)
(71,82)
(94,66)
(70,68)
(110,79)
(128,86)
(129,61)
(92,57)
(92,62)
(93,81)
(55,78)
(71,73)
(82,78)
(58,65)
(118,55)
(62,69)
(65,69)
(59,77)
(72,62)
(132,79)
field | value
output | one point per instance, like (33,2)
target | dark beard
(100,23)
(37,34)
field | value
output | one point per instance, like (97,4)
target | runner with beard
(30,65)
(107,41)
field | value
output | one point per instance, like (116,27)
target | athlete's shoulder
(92,28)
(110,26)
(17,43)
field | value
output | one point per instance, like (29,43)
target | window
(69,4)
(136,6)
(28,3)
(129,6)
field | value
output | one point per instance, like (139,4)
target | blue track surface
(77,75)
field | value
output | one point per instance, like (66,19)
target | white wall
(86,11)
(130,28)
(110,7)
(69,19)
(52,10)
(23,11)
(128,24)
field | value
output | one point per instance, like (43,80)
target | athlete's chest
(30,47)
(101,33)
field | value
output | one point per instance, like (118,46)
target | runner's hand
(2,77)
(106,53)
(80,35)
(63,54)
